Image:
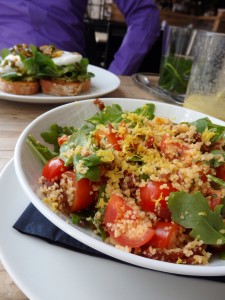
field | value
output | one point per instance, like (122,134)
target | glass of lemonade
(176,61)
(206,87)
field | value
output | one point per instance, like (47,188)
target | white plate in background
(103,83)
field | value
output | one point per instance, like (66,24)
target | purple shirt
(60,22)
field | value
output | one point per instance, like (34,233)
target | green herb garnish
(192,211)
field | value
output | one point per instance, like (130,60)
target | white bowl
(28,170)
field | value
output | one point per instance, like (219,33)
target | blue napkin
(33,223)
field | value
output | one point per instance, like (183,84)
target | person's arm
(143,28)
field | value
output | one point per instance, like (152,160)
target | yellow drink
(213,105)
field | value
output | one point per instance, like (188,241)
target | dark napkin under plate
(33,223)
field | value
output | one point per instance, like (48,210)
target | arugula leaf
(76,72)
(192,211)
(201,124)
(83,135)
(147,110)
(43,66)
(29,66)
(39,65)
(78,137)
(113,114)
(84,215)
(216,160)
(110,114)
(91,160)
(5,52)
(88,216)
(136,158)
(73,141)
(51,138)
(102,195)
(22,73)
(101,205)
(216,180)
(56,131)
(90,163)
(43,152)
(12,76)
(144,177)
(205,124)
(68,130)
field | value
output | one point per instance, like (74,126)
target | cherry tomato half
(149,142)
(53,169)
(165,235)
(118,212)
(83,195)
(153,198)
(111,137)
(172,149)
(215,197)
(62,139)
(220,172)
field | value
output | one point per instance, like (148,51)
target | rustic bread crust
(63,88)
(19,87)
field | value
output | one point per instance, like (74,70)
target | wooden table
(14,117)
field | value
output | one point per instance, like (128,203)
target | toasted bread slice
(63,88)
(19,87)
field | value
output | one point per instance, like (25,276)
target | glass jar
(206,87)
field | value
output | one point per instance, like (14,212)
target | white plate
(29,168)
(45,272)
(103,83)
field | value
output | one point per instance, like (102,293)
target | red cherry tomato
(118,213)
(53,169)
(111,137)
(172,149)
(83,195)
(203,177)
(149,142)
(220,172)
(62,139)
(153,198)
(215,197)
(165,235)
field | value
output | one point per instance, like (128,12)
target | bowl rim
(92,240)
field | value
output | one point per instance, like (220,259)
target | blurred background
(105,27)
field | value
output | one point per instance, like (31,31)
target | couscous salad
(143,183)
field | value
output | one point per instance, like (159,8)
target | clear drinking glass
(206,87)
(176,62)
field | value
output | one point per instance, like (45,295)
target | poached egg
(11,63)
(67,58)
